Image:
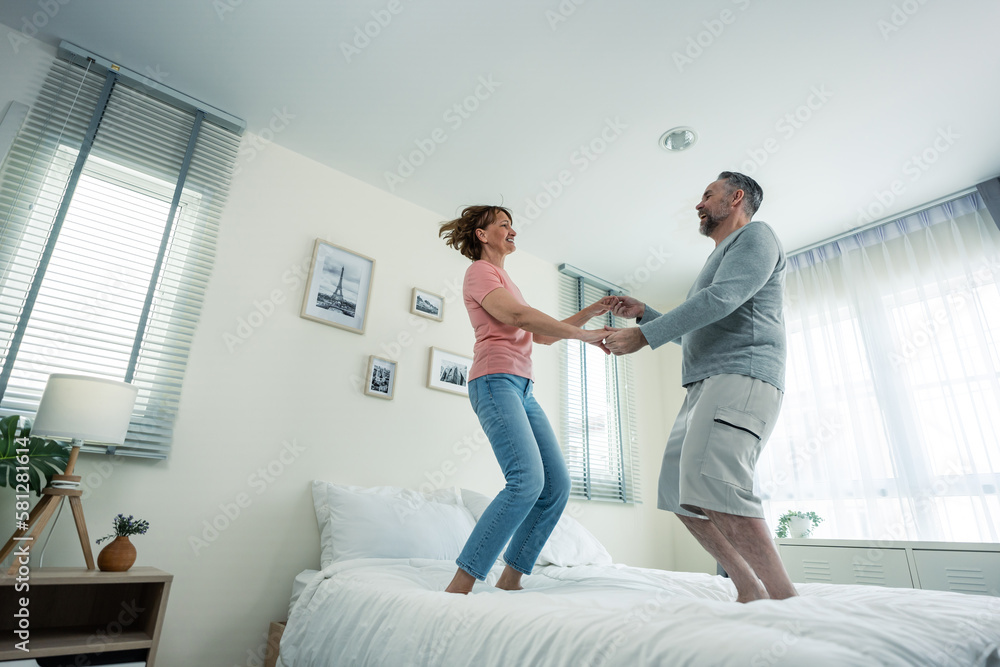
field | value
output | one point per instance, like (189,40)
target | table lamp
(78,408)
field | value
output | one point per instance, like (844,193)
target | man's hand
(624,341)
(596,337)
(628,307)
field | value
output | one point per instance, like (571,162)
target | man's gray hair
(753,195)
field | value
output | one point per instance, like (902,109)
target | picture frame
(381,378)
(427,304)
(448,372)
(339,287)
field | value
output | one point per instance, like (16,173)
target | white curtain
(889,428)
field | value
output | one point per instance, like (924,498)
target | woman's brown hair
(460,233)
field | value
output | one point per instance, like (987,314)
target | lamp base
(62,487)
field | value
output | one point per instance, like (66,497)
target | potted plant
(119,555)
(20,453)
(797,524)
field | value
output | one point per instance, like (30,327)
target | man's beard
(709,224)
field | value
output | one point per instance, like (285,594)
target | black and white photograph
(427,304)
(381,377)
(449,372)
(339,286)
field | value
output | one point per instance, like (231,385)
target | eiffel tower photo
(337,300)
(339,292)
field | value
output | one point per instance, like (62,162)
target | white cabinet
(959,571)
(847,565)
(944,566)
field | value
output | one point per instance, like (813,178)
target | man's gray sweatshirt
(731,321)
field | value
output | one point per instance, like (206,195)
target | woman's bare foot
(510,580)
(461,583)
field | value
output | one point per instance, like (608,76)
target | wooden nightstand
(74,610)
(273,640)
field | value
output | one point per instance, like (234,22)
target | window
(892,404)
(109,205)
(598,410)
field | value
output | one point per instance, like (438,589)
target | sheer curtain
(889,428)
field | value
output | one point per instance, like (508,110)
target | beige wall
(290,381)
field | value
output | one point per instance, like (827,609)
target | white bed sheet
(393,613)
(299,584)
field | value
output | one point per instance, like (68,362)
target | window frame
(174,292)
(583,444)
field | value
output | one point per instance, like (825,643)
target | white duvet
(393,613)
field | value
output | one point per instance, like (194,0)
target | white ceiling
(892,83)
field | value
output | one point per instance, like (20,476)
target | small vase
(117,556)
(799,526)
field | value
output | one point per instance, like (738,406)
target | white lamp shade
(85,408)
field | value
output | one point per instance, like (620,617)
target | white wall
(290,382)
(688,555)
(22,73)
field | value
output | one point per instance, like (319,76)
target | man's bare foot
(510,580)
(784,594)
(751,538)
(461,583)
(756,593)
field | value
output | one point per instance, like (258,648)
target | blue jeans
(528,507)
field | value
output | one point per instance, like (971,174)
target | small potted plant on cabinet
(797,524)
(119,555)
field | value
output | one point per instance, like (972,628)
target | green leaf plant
(785,518)
(125,526)
(39,457)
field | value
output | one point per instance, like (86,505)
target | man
(732,335)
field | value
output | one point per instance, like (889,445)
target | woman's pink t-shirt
(500,348)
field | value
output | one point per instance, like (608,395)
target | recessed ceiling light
(678,139)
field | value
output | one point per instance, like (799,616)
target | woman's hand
(595,338)
(601,306)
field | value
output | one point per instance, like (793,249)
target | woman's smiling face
(499,234)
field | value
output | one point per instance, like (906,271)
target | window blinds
(110,201)
(598,408)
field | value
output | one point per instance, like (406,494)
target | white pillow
(389,522)
(476,502)
(569,544)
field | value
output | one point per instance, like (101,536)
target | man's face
(715,206)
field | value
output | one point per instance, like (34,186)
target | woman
(500,389)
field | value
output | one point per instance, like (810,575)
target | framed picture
(449,372)
(339,287)
(427,304)
(381,380)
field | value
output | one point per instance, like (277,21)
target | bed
(374,604)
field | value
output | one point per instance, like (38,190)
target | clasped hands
(612,340)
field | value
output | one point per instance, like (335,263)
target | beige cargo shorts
(712,450)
